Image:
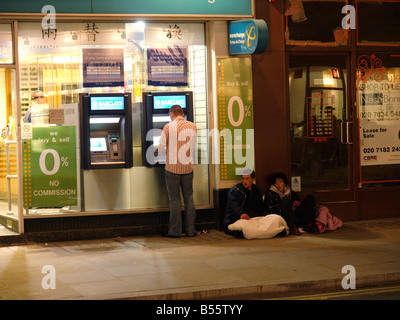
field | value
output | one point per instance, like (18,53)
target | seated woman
(280,199)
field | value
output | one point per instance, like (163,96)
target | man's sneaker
(170,236)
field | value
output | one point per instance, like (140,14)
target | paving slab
(209,266)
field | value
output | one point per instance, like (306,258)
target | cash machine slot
(115,145)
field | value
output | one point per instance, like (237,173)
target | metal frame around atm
(148,116)
(85,114)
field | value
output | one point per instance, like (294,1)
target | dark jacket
(301,215)
(241,200)
(274,203)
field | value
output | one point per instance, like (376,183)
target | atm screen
(156,141)
(98,144)
(167,101)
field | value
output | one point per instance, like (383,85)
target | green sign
(240,8)
(235,116)
(49,167)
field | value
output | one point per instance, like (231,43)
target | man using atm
(179,138)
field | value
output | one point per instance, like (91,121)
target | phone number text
(379,114)
(381,149)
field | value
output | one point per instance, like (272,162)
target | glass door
(320,125)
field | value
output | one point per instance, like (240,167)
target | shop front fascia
(141,48)
(331,120)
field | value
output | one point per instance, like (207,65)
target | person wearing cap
(245,201)
(37,97)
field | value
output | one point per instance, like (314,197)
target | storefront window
(378,22)
(6,51)
(378,100)
(315,22)
(54,62)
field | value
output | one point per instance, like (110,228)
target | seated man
(245,200)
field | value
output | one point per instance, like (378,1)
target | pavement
(211,266)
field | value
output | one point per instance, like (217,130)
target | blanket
(260,227)
(327,219)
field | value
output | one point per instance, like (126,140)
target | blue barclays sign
(247,36)
(107,103)
(166,102)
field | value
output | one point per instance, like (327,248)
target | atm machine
(106,130)
(156,107)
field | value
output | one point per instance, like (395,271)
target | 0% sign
(243,111)
(57,162)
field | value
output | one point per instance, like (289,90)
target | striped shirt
(179,137)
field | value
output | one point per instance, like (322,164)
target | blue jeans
(174,184)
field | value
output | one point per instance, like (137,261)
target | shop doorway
(9,224)
(320,140)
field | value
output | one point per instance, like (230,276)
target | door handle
(345,132)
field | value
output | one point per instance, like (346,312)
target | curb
(261,292)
